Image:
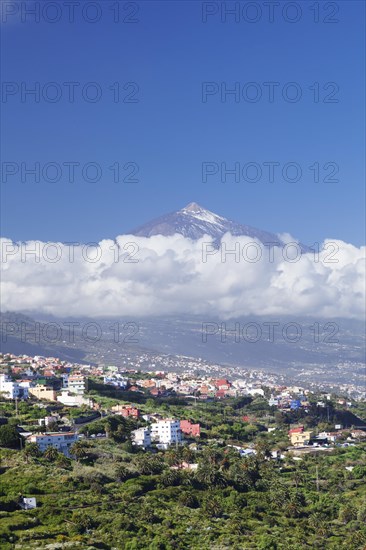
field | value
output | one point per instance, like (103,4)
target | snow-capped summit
(194,221)
(198,213)
(192,207)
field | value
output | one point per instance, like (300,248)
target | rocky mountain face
(194,221)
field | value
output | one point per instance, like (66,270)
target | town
(63,385)
(97,431)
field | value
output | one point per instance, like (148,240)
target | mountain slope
(194,222)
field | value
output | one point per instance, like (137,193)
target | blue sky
(169,132)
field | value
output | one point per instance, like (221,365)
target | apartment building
(141,437)
(77,383)
(12,390)
(166,432)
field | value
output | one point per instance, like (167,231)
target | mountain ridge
(193,221)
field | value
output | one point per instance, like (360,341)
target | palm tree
(149,465)
(263,450)
(293,505)
(170,478)
(174,457)
(31,451)
(298,477)
(122,473)
(78,450)
(211,476)
(211,455)
(317,522)
(51,453)
(241,477)
(62,461)
(278,494)
(212,505)
(188,454)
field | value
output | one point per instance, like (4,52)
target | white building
(47,420)
(116,380)
(141,437)
(28,503)
(72,400)
(255,391)
(12,390)
(166,432)
(61,441)
(78,384)
(26,384)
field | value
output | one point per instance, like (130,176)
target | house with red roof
(190,429)
(222,384)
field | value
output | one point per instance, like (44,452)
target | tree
(122,473)
(236,525)
(170,478)
(293,505)
(149,464)
(298,476)
(317,522)
(51,454)
(174,457)
(188,454)
(9,437)
(210,476)
(212,506)
(62,461)
(263,450)
(240,477)
(188,499)
(53,426)
(31,451)
(211,455)
(278,494)
(347,513)
(81,521)
(78,450)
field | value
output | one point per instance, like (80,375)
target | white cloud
(171,275)
(287,238)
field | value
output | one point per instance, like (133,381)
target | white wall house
(12,390)
(166,431)
(141,437)
(61,441)
(77,384)
(116,380)
(255,391)
(48,420)
(273,401)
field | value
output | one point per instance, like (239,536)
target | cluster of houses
(48,379)
(161,432)
(294,398)
(299,437)
(67,389)
(164,384)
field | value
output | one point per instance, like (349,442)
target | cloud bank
(138,276)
